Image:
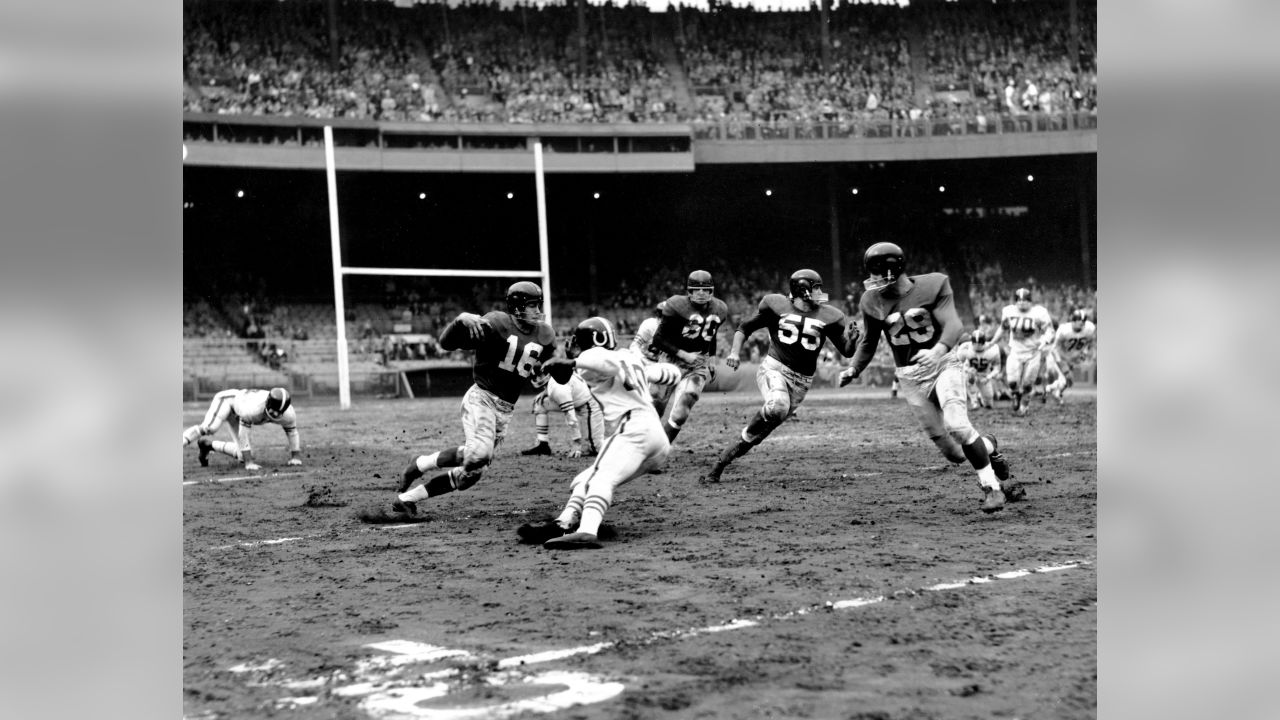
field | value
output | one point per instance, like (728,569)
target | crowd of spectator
(480,62)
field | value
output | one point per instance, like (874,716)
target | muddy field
(840,570)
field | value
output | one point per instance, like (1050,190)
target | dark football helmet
(278,401)
(884,263)
(1022,298)
(594,332)
(1078,317)
(807,285)
(980,338)
(700,287)
(524,302)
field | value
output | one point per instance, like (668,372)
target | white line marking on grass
(238,478)
(388,695)
(256,543)
(1084,453)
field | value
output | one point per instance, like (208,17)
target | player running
(1030,332)
(916,315)
(1075,342)
(982,361)
(798,324)
(687,334)
(509,348)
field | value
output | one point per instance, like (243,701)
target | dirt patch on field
(805,585)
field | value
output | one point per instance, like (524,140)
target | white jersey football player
(982,365)
(1073,343)
(580,408)
(1030,331)
(637,442)
(241,410)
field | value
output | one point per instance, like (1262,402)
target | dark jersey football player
(687,333)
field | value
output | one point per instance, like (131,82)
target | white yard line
(238,478)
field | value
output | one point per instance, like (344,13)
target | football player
(241,410)
(579,407)
(916,314)
(983,364)
(1030,331)
(636,443)
(687,334)
(642,345)
(1073,343)
(798,325)
(510,347)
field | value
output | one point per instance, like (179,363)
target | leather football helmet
(807,285)
(278,401)
(700,287)
(884,263)
(524,302)
(594,332)
(1022,298)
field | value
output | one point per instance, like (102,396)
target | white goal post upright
(335,248)
(340,271)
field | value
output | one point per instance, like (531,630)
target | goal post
(340,271)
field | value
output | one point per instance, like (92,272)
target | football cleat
(539,449)
(405,507)
(1014,491)
(540,532)
(993,499)
(205,446)
(573,541)
(997,459)
(713,475)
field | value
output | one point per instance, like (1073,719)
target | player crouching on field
(580,409)
(917,316)
(636,443)
(242,409)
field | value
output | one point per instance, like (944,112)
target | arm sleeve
(945,312)
(844,336)
(455,336)
(668,328)
(295,443)
(867,344)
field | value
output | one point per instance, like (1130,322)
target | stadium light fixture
(239,193)
(422,196)
(595,195)
(854,191)
(1031,178)
(942,188)
(768,193)
(510,195)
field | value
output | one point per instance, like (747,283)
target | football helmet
(1022,298)
(700,287)
(985,320)
(884,263)
(524,302)
(807,285)
(594,332)
(980,338)
(1078,317)
(278,401)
